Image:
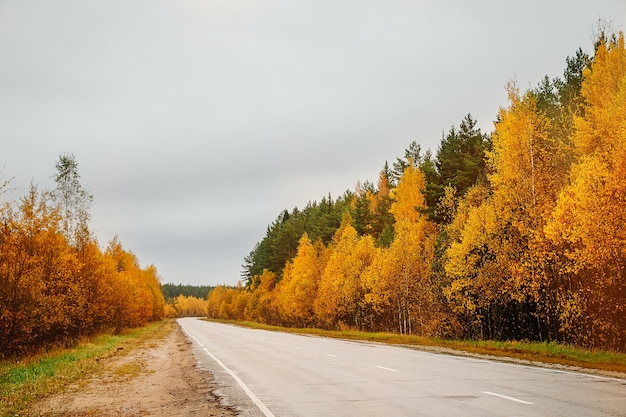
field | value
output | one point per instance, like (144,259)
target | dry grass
(129,370)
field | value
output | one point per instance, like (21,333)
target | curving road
(264,373)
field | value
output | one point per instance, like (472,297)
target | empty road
(268,374)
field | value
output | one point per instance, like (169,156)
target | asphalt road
(268,374)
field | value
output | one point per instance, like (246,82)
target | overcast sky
(196,122)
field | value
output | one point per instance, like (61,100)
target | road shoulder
(161,379)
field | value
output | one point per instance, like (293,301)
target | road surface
(276,374)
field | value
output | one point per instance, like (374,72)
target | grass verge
(546,352)
(30,379)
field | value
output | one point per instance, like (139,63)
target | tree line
(171,291)
(517,234)
(186,306)
(184,300)
(56,283)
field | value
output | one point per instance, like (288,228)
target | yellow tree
(588,222)
(152,287)
(529,165)
(136,296)
(189,306)
(360,261)
(283,298)
(225,306)
(408,197)
(300,281)
(527,173)
(216,299)
(340,292)
(405,280)
(468,262)
(40,302)
(169,311)
(92,278)
(599,131)
(407,275)
(497,264)
(377,303)
(261,306)
(240,302)
(129,302)
(21,286)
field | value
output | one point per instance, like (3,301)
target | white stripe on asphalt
(506,397)
(387,369)
(247,390)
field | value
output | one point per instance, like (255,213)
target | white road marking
(297,347)
(387,369)
(506,397)
(581,374)
(247,390)
(329,355)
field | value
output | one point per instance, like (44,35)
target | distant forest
(171,291)
(515,234)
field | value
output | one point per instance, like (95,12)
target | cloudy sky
(195,122)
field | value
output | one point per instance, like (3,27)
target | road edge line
(247,390)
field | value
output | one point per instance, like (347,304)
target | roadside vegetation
(30,379)
(57,285)
(532,352)
(186,306)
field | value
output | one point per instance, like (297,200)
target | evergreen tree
(361,211)
(460,162)
(412,157)
(171,291)
(318,220)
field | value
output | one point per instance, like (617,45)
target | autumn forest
(56,284)
(517,234)
(508,235)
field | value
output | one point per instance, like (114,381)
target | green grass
(542,352)
(30,379)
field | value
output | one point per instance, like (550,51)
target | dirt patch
(159,380)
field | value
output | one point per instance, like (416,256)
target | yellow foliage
(600,130)
(587,225)
(528,164)
(340,288)
(54,292)
(591,211)
(495,258)
(300,282)
(261,305)
(398,293)
(408,195)
(188,306)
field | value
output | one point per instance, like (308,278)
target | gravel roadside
(159,380)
